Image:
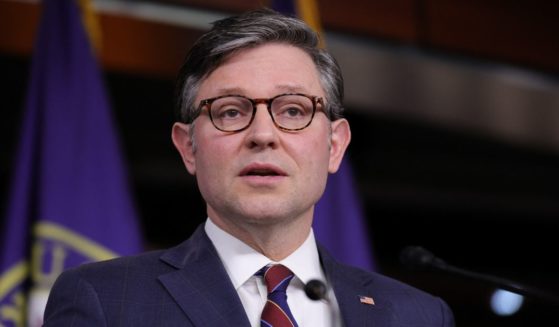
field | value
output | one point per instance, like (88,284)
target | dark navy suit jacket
(188,286)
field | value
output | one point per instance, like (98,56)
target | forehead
(263,71)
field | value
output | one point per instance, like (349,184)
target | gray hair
(250,30)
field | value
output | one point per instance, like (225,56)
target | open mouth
(264,171)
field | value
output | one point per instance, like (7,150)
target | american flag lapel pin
(366,300)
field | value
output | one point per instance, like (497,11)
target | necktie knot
(277,278)
(276,312)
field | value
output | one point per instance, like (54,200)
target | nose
(262,132)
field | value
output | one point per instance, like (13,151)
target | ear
(341,135)
(182,139)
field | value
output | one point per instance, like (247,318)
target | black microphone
(416,257)
(316,290)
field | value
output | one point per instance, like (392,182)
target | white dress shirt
(242,262)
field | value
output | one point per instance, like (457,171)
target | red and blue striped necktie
(276,312)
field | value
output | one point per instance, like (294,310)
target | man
(261,128)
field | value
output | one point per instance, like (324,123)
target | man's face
(262,175)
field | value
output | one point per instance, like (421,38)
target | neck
(275,241)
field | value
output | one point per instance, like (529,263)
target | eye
(229,113)
(291,108)
(231,108)
(293,111)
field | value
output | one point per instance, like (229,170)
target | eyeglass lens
(288,111)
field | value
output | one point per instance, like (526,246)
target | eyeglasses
(234,113)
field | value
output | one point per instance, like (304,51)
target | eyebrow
(291,88)
(286,88)
(230,90)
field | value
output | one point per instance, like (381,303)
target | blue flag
(339,223)
(70,202)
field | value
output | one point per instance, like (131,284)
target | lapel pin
(366,300)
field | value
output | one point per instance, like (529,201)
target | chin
(264,218)
(269,215)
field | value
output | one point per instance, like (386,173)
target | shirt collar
(241,261)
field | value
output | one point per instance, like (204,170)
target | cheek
(211,172)
(315,157)
(210,145)
(210,160)
(215,156)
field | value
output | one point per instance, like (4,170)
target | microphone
(416,257)
(316,290)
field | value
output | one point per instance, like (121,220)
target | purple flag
(70,202)
(339,223)
(286,7)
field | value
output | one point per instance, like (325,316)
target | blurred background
(454,108)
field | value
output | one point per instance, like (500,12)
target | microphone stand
(415,257)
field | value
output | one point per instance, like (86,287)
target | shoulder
(118,268)
(405,304)
(145,265)
(408,303)
(381,284)
(80,295)
(103,293)
(112,278)
(123,291)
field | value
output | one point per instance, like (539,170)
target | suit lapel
(201,286)
(349,285)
